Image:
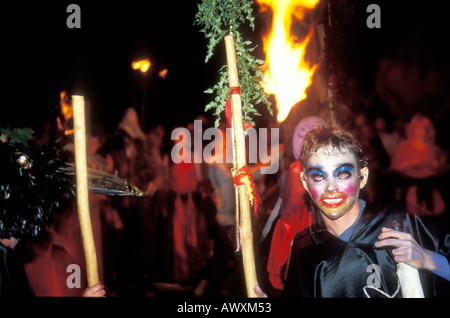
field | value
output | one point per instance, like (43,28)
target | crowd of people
(180,237)
(177,239)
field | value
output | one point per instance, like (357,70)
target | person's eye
(344,175)
(316,177)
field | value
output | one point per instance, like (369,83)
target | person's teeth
(333,201)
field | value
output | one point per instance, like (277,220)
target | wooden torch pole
(248,257)
(82,190)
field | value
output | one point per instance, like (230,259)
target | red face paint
(333,182)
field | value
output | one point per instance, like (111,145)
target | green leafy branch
(218,18)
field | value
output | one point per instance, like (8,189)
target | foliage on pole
(218,18)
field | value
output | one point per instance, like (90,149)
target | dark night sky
(43,56)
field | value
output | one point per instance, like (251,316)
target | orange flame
(163,73)
(66,106)
(142,65)
(66,109)
(286,74)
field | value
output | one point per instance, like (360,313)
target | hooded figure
(130,124)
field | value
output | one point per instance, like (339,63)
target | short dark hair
(333,136)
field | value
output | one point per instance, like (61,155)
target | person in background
(125,156)
(13,277)
(418,162)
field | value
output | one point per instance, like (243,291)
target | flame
(163,73)
(66,106)
(66,112)
(142,65)
(286,74)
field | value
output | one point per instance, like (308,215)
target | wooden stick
(82,190)
(248,257)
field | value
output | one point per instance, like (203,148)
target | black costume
(13,279)
(323,265)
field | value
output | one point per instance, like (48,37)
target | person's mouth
(333,202)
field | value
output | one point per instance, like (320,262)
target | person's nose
(331,186)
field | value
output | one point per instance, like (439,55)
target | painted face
(332,182)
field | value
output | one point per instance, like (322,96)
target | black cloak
(322,265)
(13,278)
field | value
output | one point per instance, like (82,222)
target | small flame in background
(66,105)
(163,73)
(286,74)
(142,65)
(66,112)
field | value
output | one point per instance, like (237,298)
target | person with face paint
(351,250)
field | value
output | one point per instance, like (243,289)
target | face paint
(333,183)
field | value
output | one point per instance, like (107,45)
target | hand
(97,290)
(259,292)
(407,250)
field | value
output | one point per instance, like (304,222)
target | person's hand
(407,250)
(259,292)
(97,290)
